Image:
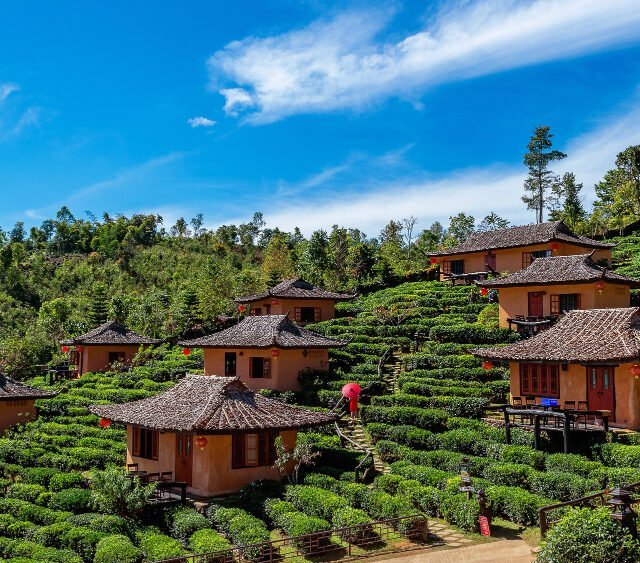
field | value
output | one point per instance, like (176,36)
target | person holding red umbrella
(351,391)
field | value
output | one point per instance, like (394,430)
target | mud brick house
(17,402)
(214,433)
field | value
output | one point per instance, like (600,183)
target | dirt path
(505,551)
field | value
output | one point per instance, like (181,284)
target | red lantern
(65,349)
(242,308)
(555,246)
(79,348)
(186,351)
(600,286)
(201,442)
(274,302)
(275,353)
(105,423)
(635,370)
(432,261)
(484,291)
(487,365)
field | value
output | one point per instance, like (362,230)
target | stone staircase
(357,434)
(390,373)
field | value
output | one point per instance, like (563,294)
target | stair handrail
(358,446)
(383,358)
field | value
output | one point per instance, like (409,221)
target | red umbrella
(351,391)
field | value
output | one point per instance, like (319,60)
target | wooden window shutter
(263,448)
(266,367)
(446,267)
(555,304)
(250,367)
(526,259)
(154,444)
(578,300)
(297,314)
(525,385)
(554,383)
(237,450)
(136,441)
(272,447)
(316,314)
(544,380)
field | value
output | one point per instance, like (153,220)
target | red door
(184,457)
(490,261)
(535,304)
(601,392)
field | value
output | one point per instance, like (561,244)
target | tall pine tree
(99,307)
(540,178)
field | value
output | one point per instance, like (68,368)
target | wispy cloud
(127,178)
(476,191)
(31,117)
(341,63)
(6,89)
(200,121)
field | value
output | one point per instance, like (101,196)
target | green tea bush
(590,536)
(26,492)
(472,334)
(562,486)
(116,549)
(83,541)
(207,540)
(509,474)
(156,546)
(523,455)
(620,455)
(185,521)
(428,419)
(516,504)
(72,500)
(406,435)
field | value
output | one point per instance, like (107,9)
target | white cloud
(476,191)
(342,64)
(30,118)
(6,90)
(201,121)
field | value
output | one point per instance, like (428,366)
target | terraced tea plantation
(423,412)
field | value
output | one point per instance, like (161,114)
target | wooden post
(566,431)
(536,431)
(543,522)
(507,425)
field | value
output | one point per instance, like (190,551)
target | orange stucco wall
(96,358)
(284,368)
(284,306)
(515,300)
(510,259)
(16,412)
(573,387)
(212,473)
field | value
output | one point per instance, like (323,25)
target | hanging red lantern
(275,302)
(105,423)
(201,442)
(600,286)
(635,370)
(555,246)
(484,291)
(275,353)
(186,351)
(487,365)
(65,349)
(79,348)
(242,308)
(433,260)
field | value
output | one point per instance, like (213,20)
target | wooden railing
(592,501)
(366,537)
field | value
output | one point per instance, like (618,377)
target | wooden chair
(166,476)
(569,405)
(153,477)
(582,406)
(531,402)
(516,402)
(132,467)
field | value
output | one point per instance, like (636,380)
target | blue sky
(314,113)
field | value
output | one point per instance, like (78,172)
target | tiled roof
(524,235)
(578,268)
(264,331)
(14,390)
(592,335)
(111,332)
(213,405)
(296,289)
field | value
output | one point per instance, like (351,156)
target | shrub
(429,419)
(83,541)
(406,434)
(239,526)
(38,475)
(315,501)
(571,463)
(114,492)
(509,474)
(591,536)
(562,486)
(72,500)
(156,546)
(51,535)
(611,477)
(516,504)
(100,522)
(464,440)
(253,495)
(207,540)
(116,549)
(26,492)
(186,521)
(619,455)
(461,511)
(382,506)
(471,334)
(523,455)
(61,481)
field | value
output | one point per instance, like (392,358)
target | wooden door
(490,261)
(535,304)
(601,389)
(184,457)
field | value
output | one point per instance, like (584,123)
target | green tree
(565,202)
(277,263)
(115,492)
(99,306)
(540,178)
(492,222)
(461,226)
